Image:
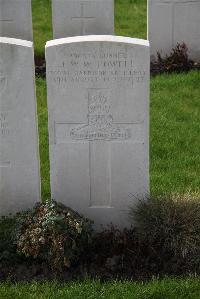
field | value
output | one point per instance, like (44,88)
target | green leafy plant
(171,224)
(53,233)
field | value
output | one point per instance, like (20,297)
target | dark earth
(111,255)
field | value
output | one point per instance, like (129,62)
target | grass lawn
(130,20)
(42,24)
(175,138)
(164,289)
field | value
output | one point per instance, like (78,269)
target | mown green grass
(174,134)
(130,20)
(42,24)
(43,137)
(164,289)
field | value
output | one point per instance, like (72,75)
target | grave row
(98,110)
(169,21)
(70,18)
(98,105)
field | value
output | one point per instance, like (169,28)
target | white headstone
(16,19)
(172,22)
(98,91)
(19,158)
(82,17)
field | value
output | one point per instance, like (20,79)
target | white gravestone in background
(19,158)
(82,17)
(16,19)
(172,22)
(98,98)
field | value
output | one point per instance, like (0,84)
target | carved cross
(173,7)
(101,132)
(83,18)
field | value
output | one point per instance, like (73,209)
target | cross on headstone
(99,124)
(100,131)
(173,7)
(83,18)
(16,19)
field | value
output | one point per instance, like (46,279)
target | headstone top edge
(15,41)
(97,38)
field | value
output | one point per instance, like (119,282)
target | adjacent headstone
(19,158)
(82,17)
(172,22)
(98,92)
(16,19)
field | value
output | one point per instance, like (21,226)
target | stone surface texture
(82,17)
(16,19)
(171,22)
(19,157)
(98,103)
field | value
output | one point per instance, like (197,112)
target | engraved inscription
(4,124)
(97,67)
(100,121)
(83,18)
